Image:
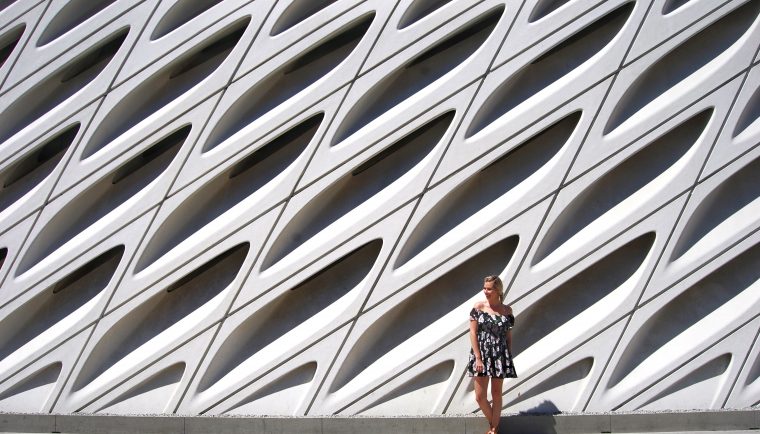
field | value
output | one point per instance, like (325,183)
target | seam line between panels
(185,41)
(262,138)
(456,388)
(527,126)
(613,75)
(43,205)
(676,34)
(450,257)
(369,291)
(75,45)
(103,311)
(288,46)
(569,169)
(10,23)
(744,72)
(655,127)
(417,199)
(50,196)
(79,144)
(690,191)
(746,151)
(124,150)
(111,87)
(74,364)
(393,377)
(614,237)
(348,83)
(537,42)
(303,187)
(732,161)
(229,311)
(686,362)
(741,368)
(702,265)
(220,322)
(166,352)
(670,236)
(383,60)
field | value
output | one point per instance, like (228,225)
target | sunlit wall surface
(287,207)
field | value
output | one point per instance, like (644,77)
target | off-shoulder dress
(492,341)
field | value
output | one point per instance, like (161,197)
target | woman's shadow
(536,420)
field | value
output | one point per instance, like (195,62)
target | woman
(491,354)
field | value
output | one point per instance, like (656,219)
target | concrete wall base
(512,424)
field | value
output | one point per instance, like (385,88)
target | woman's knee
(481,396)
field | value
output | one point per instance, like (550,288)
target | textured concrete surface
(684,422)
(177,173)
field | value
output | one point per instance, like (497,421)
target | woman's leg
(481,397)
(496,384)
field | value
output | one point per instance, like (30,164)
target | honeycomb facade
(287,207)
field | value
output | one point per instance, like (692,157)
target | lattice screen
(287,207)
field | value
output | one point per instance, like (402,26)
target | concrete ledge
(727,420)
(72,423)
(686,421)
(10,422)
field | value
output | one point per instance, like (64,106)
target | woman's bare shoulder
(507,309)
(478,305)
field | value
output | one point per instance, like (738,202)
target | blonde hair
(497,285)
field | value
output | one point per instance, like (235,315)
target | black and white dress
(492,341)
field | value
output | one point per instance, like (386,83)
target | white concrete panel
(259,207)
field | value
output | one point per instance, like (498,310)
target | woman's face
(490,292)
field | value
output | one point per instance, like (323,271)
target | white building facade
(287,207)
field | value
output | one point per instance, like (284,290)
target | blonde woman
(491,325)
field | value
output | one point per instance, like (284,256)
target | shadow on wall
(536,420)
(545,407)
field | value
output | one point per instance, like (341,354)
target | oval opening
(74,13)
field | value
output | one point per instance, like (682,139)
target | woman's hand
(479,365)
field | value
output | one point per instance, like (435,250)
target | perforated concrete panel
(287,207)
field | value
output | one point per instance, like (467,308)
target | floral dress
(492,341)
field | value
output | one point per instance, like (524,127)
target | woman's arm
(509,330)
(475,347)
